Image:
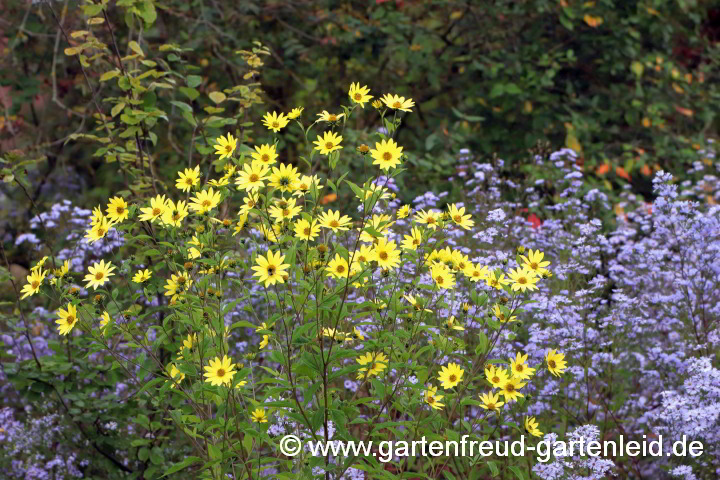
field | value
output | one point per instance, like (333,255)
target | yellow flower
(97,217)
(442,276)
(99,275)
(412,241)
(532,427)
(534,262)
(220,182)
(142,276)
(249,202)
(328,143)
(451,375)
(68,319)
(284,209)
(177,283)
(496,376)
(98,231)
(275,122)
(476,272)
(175,213)
(496,280)
(332,220)
(105,320)
(491,401)
(373,364)
(416,303)
(338,267)
(523,279)
(404,211)
(194,252)
(386,254)
(240,225)
(270,269)
(329,117)
(63,270)
(252,176)
(380,223)
(519,368)
(500,315)
(460,261)
(510,387)
(398,103)
(259,416)
(359,94)
(157,207)
(387,154)
(220,371)
(117,209)
(176,375)
(225,146)
(432,398)
(304,185)
(205,200)
(334,334)
(304,230)
(556,362)
(188,179)
(458,216)
(284,178)
(265,154)
(450,324)
(295,113)
(265,341)
(430,218)
(188,343)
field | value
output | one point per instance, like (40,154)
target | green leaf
(518,473)
(191,93)
(194,80)
(135,47)
(181,465)
(108,75)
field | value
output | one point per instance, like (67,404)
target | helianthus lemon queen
(325,116)
(332,220)
(265,154)
(523,279)
(188,179)
(284,177)
(519,368)
(386,254)
(398,103)
(295,113)
(270,269)
(205,200)
(305,230)
(338,267)
(459,218)
(491,401)
(359,95)
(252,176)
(117,209)
(68,319)
(259,416)
(373,364)
(496,376)
(142,276)
(275,122)
(225,146)
(175,213)
(534,261)
(220,371)
(157,207)
(556,362)
(100,273)
(510,387)
(432,398)
(531,426)
(387,154)
(450,375)
(328,143)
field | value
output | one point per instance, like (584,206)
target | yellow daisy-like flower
(284,177)
(225,146)
(332,220)
(523,279)
(265,341)
(295,113)
(195,251)
(220,182)
(450,376)
(433,399)
(519,367)
(270,269)
(275,122)
(142,276)
(117,209)
(373,364)
(96,218)
(500,315)
(459,218)
(240,225)
(68,319)
(364,254)
(284,209)
(305,183)
(177,283)
(442,276)
(188,179)
(100,273)
(338,267)
(328,143)
(329,117)
(510,387)
(249,202)
(63,270)
(532,427)
(460,261)
(259,416)
(398,103)
(155,211)
(496,376)
(265,154)
(379,223)
(496,280)
(176,375)
(412,241)
(491,401)
(252,177)
(220,371)
(387,154)
(386,254)
(359,94)
(556,362)
(98,231)
(188,343)
(205,200)
(175,213)
(451,325)
(404,211)
(429,218)
(476,272)
(417,304)
(534,261)
(105,320)
(304,230)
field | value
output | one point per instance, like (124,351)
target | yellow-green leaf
(108,75)
(117,109)
(135,47)
(217,97)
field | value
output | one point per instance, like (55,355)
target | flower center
(519,368)
(271,271)
(307,231)
(276,125)
(206,203)
(522,280)
(453,378)
(383,256)
(509,388)
(189,181)
(440,280)
(491,406)
(387,156)
(534,266)
(397,105)
(265,158)
(120,210)
(221,373)
(334,224)
(496,379)
(99,276)
(358,97)
(457,218)
(156,211)
(285,181)
(254,177)
(431,399)
(228,148)
(70,319)
(332,118)
(35,284)
(430,220)
(552,363)
(100,232)
(329,145)
(340,268)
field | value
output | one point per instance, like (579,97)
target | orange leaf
(603,169)
(328,198)
(645,170)
(620,172)
(684,111)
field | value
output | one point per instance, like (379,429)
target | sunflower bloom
(556,362)
(275,122)
(259,416)
(338,267)
(432,398)
(459,218)
(304,230)
(205,200)
(265,154)
(98,231)
(510,387)
(225,146)
(332,220)
(295,113)
(523,279)
(142,276)
(429,218)
(398,103)
(412,241)
(68,319)
(387,154)
(284,177)
(99,275)
(359,95)
(270,269)
(442,276)
(450,375)
(188,178)
(252,177)
(157,207)
(117,209)
(496,376)
(532,427)
(491,401)
(329,117)
(520,368)
(328,143)
(175,213)
(373,364)
(220,371)
(534,261)
(386,254)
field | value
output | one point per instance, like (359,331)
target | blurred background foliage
(631,85)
